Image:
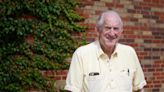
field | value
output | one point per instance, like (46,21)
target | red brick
(128,32)
(142,53)
(147,0)
(119,5)
(63,77)
(57,78)
(157,85)
(64,72)
(109,4)
(156,73)
(156,66)
(49,73)
(156,82)
(156,41)
(59,72)
(160,78)
(151,70)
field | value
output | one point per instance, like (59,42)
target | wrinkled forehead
(112,20)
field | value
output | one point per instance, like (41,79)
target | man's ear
(122,29)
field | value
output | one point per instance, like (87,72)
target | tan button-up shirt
(91,70)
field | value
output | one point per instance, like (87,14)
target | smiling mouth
(111,38)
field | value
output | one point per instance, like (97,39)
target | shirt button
(113,85)
(110,70)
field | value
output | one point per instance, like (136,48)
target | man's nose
(112,32)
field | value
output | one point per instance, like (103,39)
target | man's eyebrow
(112,27)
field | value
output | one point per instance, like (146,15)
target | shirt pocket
(125,79)
(95,83)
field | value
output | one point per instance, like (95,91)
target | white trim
(71,88)
(140,86)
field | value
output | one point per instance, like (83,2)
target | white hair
(101,19)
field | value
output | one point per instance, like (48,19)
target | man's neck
(108,51)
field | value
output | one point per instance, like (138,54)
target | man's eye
(109,28)
(115,28)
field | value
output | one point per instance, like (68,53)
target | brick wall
(143,29)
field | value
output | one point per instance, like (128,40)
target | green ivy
(35,35)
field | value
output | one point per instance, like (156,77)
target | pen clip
(128,71)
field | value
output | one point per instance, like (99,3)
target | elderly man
(106,65)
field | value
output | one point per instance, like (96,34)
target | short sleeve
(74,78)
(139,80)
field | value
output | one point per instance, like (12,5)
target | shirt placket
(112,75)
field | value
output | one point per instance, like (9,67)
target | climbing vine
(35,35)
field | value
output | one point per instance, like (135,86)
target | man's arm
(141,90)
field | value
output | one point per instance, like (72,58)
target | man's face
(110,33)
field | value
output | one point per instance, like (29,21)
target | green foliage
(35,36)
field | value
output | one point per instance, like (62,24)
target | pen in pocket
(128,72)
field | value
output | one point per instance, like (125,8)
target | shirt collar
(100,52)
